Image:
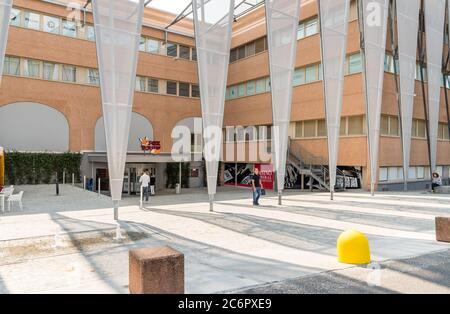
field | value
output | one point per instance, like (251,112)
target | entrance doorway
(131,177)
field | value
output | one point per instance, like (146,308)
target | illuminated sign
(152,147)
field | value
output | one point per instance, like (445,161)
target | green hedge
(40,168)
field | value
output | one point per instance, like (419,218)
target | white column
(434,28)
(407,28)
(213,21)
(333,16)
(374,15)
(118,26)
(282,18)
(5,13)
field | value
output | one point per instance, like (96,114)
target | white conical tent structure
(5,12)
(407,28)
(374,15)
(434,28)
(118,26)
(333,16)
(282,18)
(213,21)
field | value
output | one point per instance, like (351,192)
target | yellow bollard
(353,248)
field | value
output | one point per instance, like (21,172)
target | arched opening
(140,127)
(29,126)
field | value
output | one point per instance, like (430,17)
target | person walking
(152,184)
(257,186)
(437,181)
(144,180)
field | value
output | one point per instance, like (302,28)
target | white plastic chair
(8,191)
(15,198)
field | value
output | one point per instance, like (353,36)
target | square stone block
(443,229)
(158,270)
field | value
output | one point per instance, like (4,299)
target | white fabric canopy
(5,12)
(213,21)
(434,27)
(374,22)
(333,29)
(407,28)
(118,28)
(282,18)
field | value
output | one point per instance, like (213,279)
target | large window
(51,24)
(140,83)
(31,68)
(69,73)
(152,45)
(183,89)
(185,52)
(69,28)
(171,88)
(32,20)
(307,28)
(11,66)
(299,77)
(93,77)
(89,32)
(195,91)
(15,18)
(354,63)
(172,50)
(153,85)
(51,71)
(312,73)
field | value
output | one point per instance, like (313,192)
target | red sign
(267,175)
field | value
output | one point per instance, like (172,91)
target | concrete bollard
(443,229)
(158,270)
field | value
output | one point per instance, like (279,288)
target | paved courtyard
(63,244)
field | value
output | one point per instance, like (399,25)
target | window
(140,84)
(93,77)
(421,129)
(32,20)
(171,88)
(394,127)
(354,63)
(11,66)
(142,44)
(195,91)
(392,174)
(309,128)
(241,52)
(420,172)
(69,73)
(153,85)
(184,89)
(312,73)
(383,174)
(185,52)
(343,129)
(233,55)
(152,45)
(298,129)
(356,125)
(311,27)
(89,32)
(32,68)
(51,71)
(172,50)
(15,17)
(51,24)
(268,84)
(260,86)
(299,77)
(233,92)
(384,125)
(194,54)
(69,29)
(241,90)
(250,88)
(260,45)
(321,128)
(250,49)
(412,173)
(301,31)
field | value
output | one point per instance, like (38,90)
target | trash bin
(177,188)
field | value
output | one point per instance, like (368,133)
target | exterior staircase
(313,169)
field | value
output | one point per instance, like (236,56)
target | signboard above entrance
(148,146)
